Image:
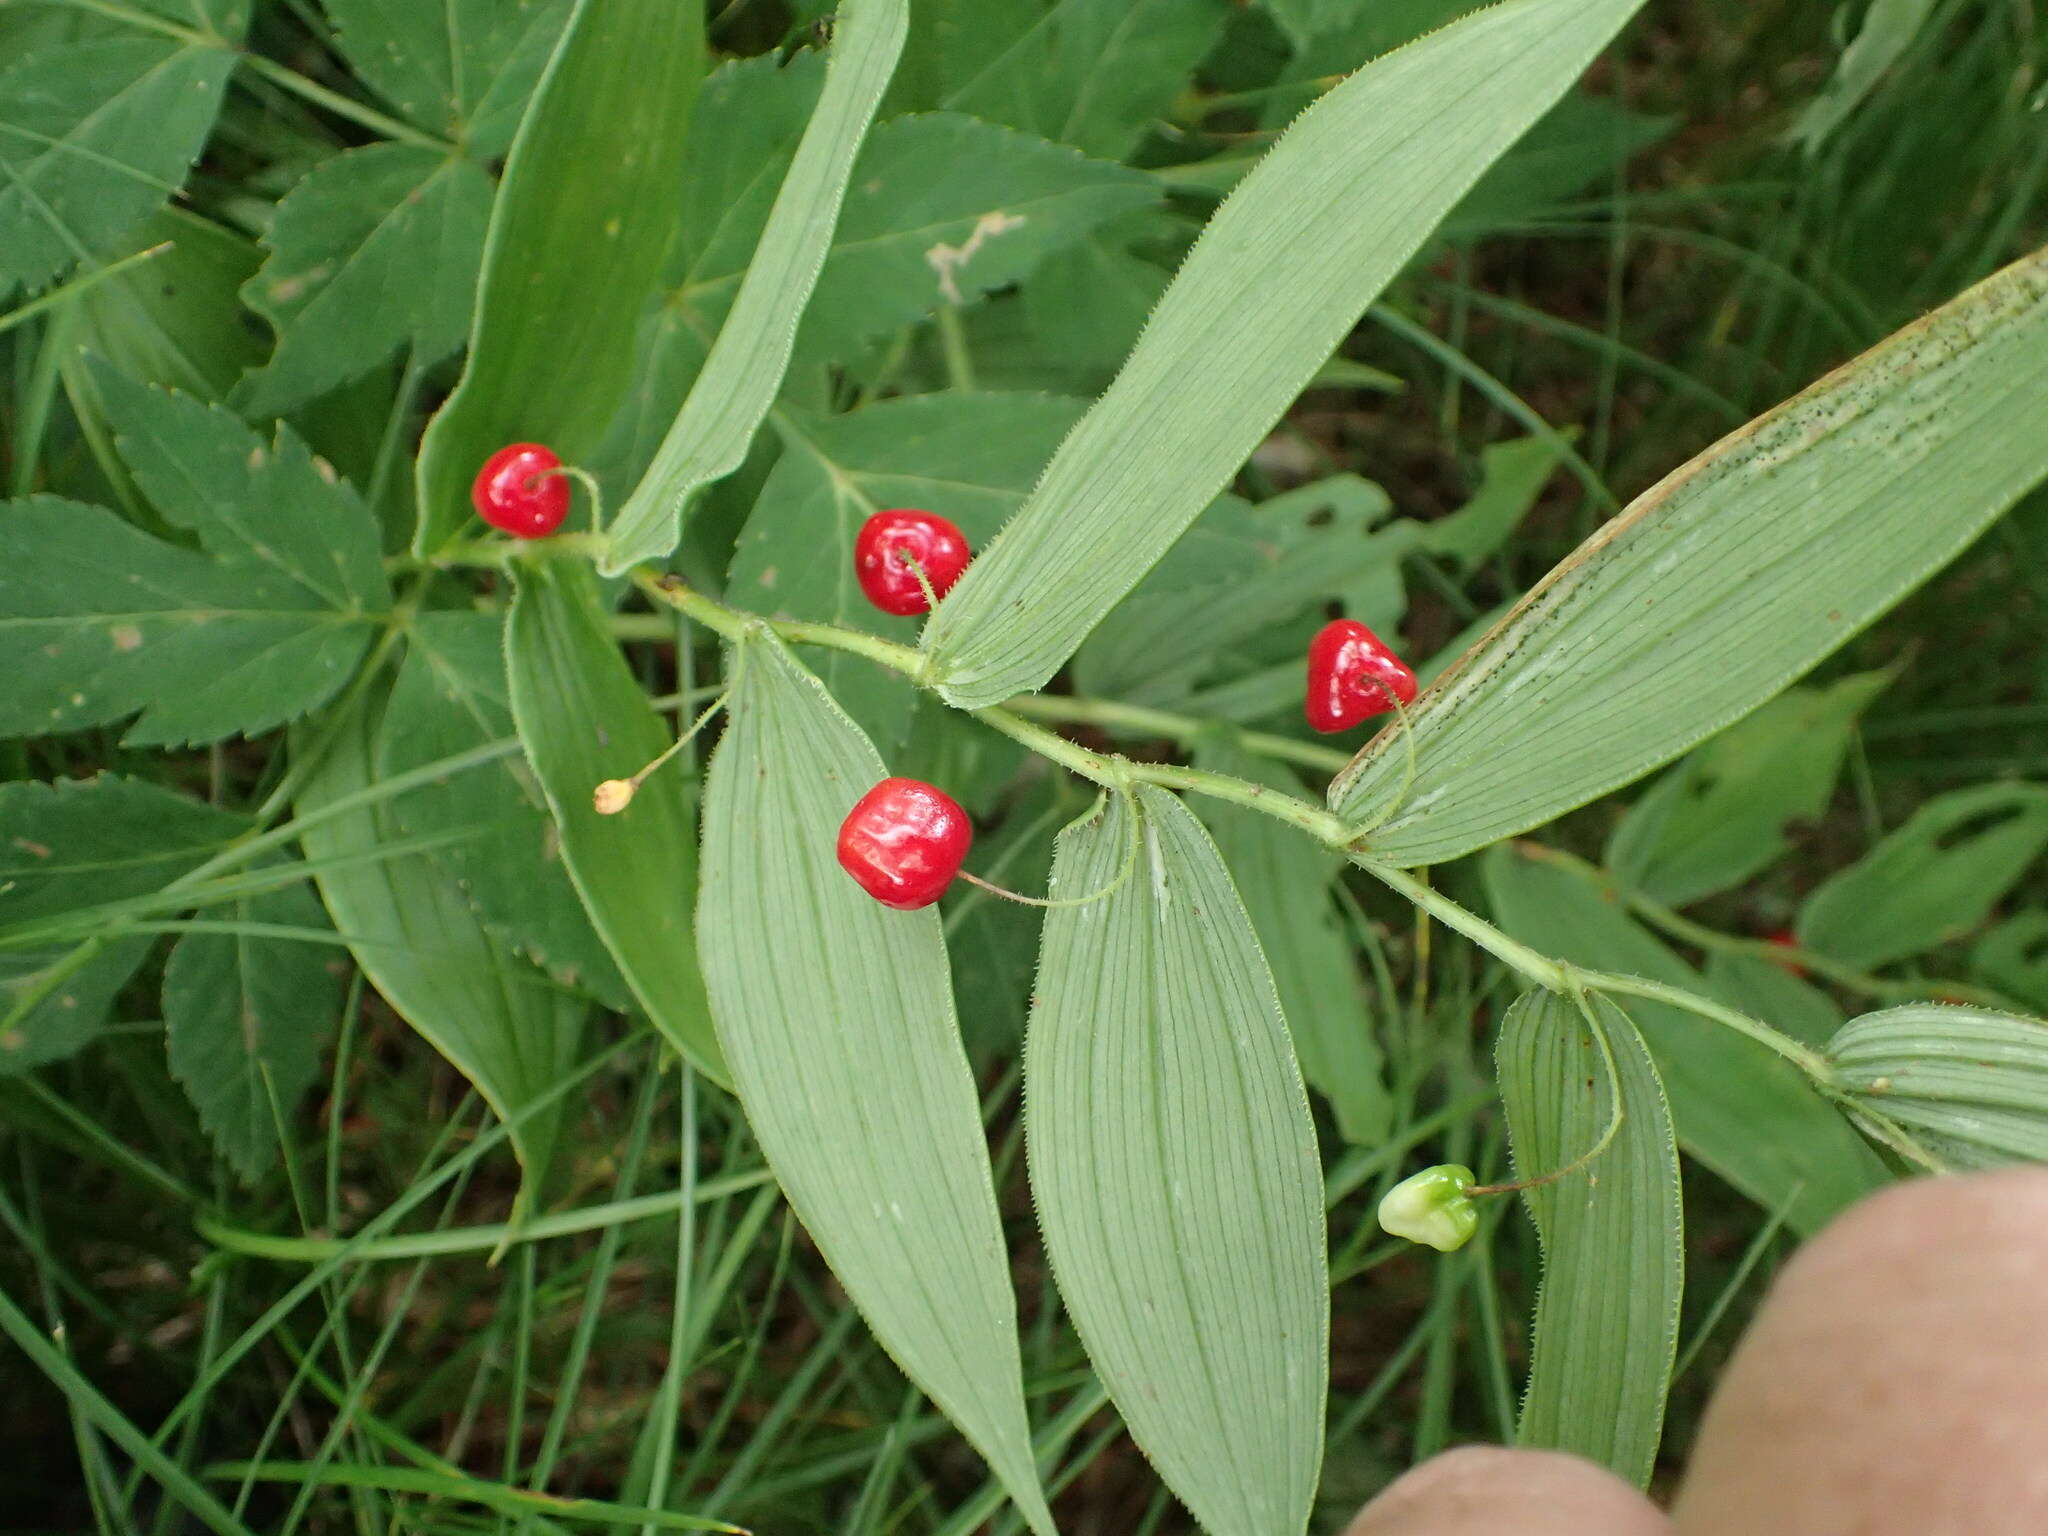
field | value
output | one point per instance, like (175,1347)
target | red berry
(1785,938)
(904,842)
(1352,676)
(886,575)
(516,492)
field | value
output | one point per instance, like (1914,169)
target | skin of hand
(1894,1383)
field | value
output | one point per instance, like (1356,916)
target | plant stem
(1185,729)
(1805,1059)
(1553,975)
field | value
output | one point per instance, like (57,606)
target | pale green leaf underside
(1174,1165)
(497,1019)
(1282,272)
(584,718)
(836,1015)
(1729,579)
(1739,1109)
(1612,1231)
(743,373)
(1970,1083)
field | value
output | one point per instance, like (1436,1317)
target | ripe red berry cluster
(904,842)
(1352,676)
(894,546)
(521,491)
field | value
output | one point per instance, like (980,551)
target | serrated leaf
(1725,582)
(1933,880)
(968,457)
(1613,1231)
(1285,882)
(93,136)
(743,370)
(1174,1165)
(246,1015)
(837,1020)
(450,696)
(459,68)
(177,319)
(2014,957)
(1349,193)
(583,719)
(98,621)
(1738,1108)
(375,249)
(1970,1084)
(496,1019)
(583,217)
(73,845)
(1721,815)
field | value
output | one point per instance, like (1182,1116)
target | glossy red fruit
(885,574)
(904,842)
(516,492)
(1352,676)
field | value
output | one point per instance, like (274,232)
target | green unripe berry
(1432,1207)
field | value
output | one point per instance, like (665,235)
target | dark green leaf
(177,319)
(1933,880)
(374,250)
(837,1021)
(1285,882)
(1969,1084)
(460,68)
(584,719)
(2014,957)
(1888,30)
(1613,1230)
(1512,476)
(1772,991)
(1739,1109)
(1174,1165)
(246,1015)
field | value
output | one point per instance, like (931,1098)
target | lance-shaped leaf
(498,1020)
(740,378)
(1933,880)
(582,220)
(1726,581)
(584,719)
(1174,1165)
(1333,212)
(1969,1084)
(1738,1108)
(1612,1228)
(836,1015)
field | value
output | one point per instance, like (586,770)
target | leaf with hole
(1340,204)
(836,1015)
(1173,1161)
(1726,581)
(1612,1228)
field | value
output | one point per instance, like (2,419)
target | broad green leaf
(583,719)
(177,319)
(2014,957)
(1888,30)
(1512,476)
(1971,1085)
(374,250)
(93,136)
(838,1026)
(98,621)
(583,218)
(1091,73)
(460,68)
(1305,20)
(1933,880)
(69,846)
(1613,1230)
(743,370)
(499,1021)
(246,1015)
(1349,193)
(968,457)
(992,943)
(1085,305)
(1285,882)
(450,697)
(1776,993)
(1739,1109)
(1173,1162)
(1578,147)
(1721,815)
(1725,582)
